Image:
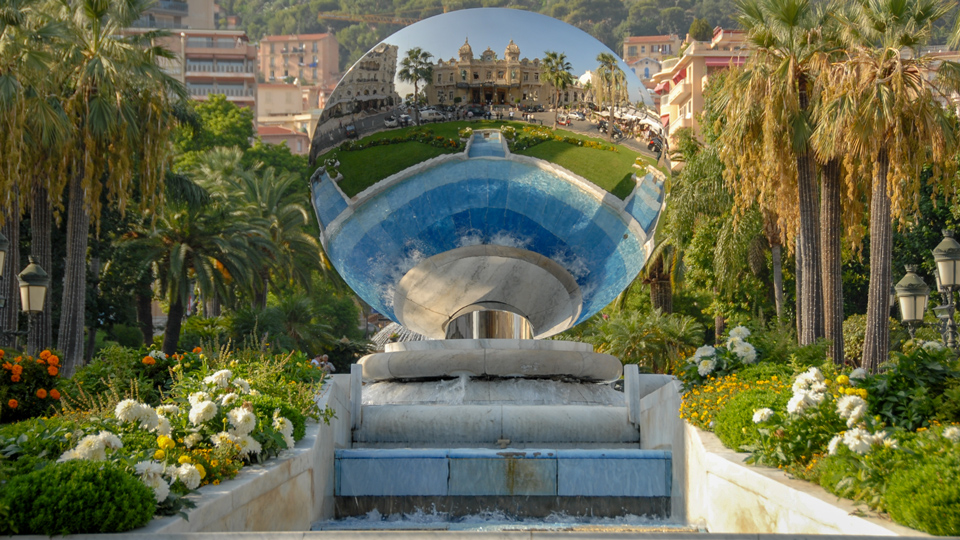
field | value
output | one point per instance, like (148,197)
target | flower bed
(420,135)
(532,136)
(217,414)
(890,441)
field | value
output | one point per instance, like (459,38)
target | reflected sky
(442,36)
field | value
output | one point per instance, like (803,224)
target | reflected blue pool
(486,144)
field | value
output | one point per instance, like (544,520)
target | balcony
(679,92)
(203,91)
(149,22)
(685,121)
(209,69)
(170,6)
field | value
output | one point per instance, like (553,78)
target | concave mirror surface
(487,56)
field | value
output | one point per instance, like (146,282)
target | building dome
(512,52)
(466,52)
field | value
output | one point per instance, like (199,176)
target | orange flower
(197,350)
(45,354)
(148,361)
(12,404)
(53,370)
(17,369)
(7,366)
(2,353)
(17,359)
(41,393)
(54,394)
(40,361)
(53,360)
(15,378)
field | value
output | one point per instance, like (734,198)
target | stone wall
(716,488)
(287,493)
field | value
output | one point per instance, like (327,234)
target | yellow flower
(216,482)
(165,442)
(201,470)
(159,455)
(843,379)
(185,459)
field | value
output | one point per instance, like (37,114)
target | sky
(534,33)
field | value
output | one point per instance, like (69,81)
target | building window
(500,74)
(463,75)
(439,78)
(526,77)
(271,48)
(643,48)
(451,95)
(451,76)
(272,76)
(632,50)
(513,75)
(646,73)
(314,46)
(314,74)
(536,76)
(476,75)
(489,75)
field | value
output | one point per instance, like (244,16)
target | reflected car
(390,122)
(406,120)
(578,116)
(351,131)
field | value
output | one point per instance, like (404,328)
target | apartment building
(644,53)
(297,142)
(312,59)
(176,14)
(682,79)
(291,107)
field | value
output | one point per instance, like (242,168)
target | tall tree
(885,111)
(118,99)
(767,116)
(611,86)
(555,70)
(416,68)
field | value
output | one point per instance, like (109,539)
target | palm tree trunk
(10,313)
(876,342)
(610,125)
(41,223)
(777,261)
(145,316)
(799,278)
(661,291)
(810,283)
(171,334)
(832,263)
(73,306)
(416,103)
(556,110)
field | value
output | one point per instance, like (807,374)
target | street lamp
(33,292)
(913,294)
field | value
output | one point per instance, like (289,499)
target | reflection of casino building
(368,85)
(488,79)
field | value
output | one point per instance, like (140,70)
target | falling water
(514,391)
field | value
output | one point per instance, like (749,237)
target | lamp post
(4,246)
(33,292)
(913,294)
(947,257)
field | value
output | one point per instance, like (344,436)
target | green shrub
(764,371)
(854,332)
(735,426)
(263,407)
(927,497)
(127,336)
(78,497)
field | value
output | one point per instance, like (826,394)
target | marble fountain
(486,254)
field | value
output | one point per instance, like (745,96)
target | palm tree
(883,110)
(118,100)
(416,67)
(209,248)
(611,86)
(767,110)
(555,70)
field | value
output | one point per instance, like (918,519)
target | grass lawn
(363,168)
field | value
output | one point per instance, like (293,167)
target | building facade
(653,47)
(682,80)
(487,80)
(311,58)
(176,14)
(297,142)
(369,85)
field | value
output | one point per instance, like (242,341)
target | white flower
(91,448)
(110,440)
(148,417)
(151,474)
(197,397)
(285,427)
(254,392)
(163,426)
(703,352)
(852,408)
(189,475)
(858,374)
(192,439)
(806,380)
(834,444)
(244,386)
(242,420)
(740,332)
(220,378)
(249,445)
(762,415)
(157,355)
(202,411)
(858,440)
(932,346)
(952,433)
(127,410)
(706,367)
(746,351)
(168,410)
(802,401)
(222,439)
(229,399)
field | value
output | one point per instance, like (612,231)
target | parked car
(405,120)
(351,131)
(432,116)
(390,122)
(563,120)
(578,116)
(536,108)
